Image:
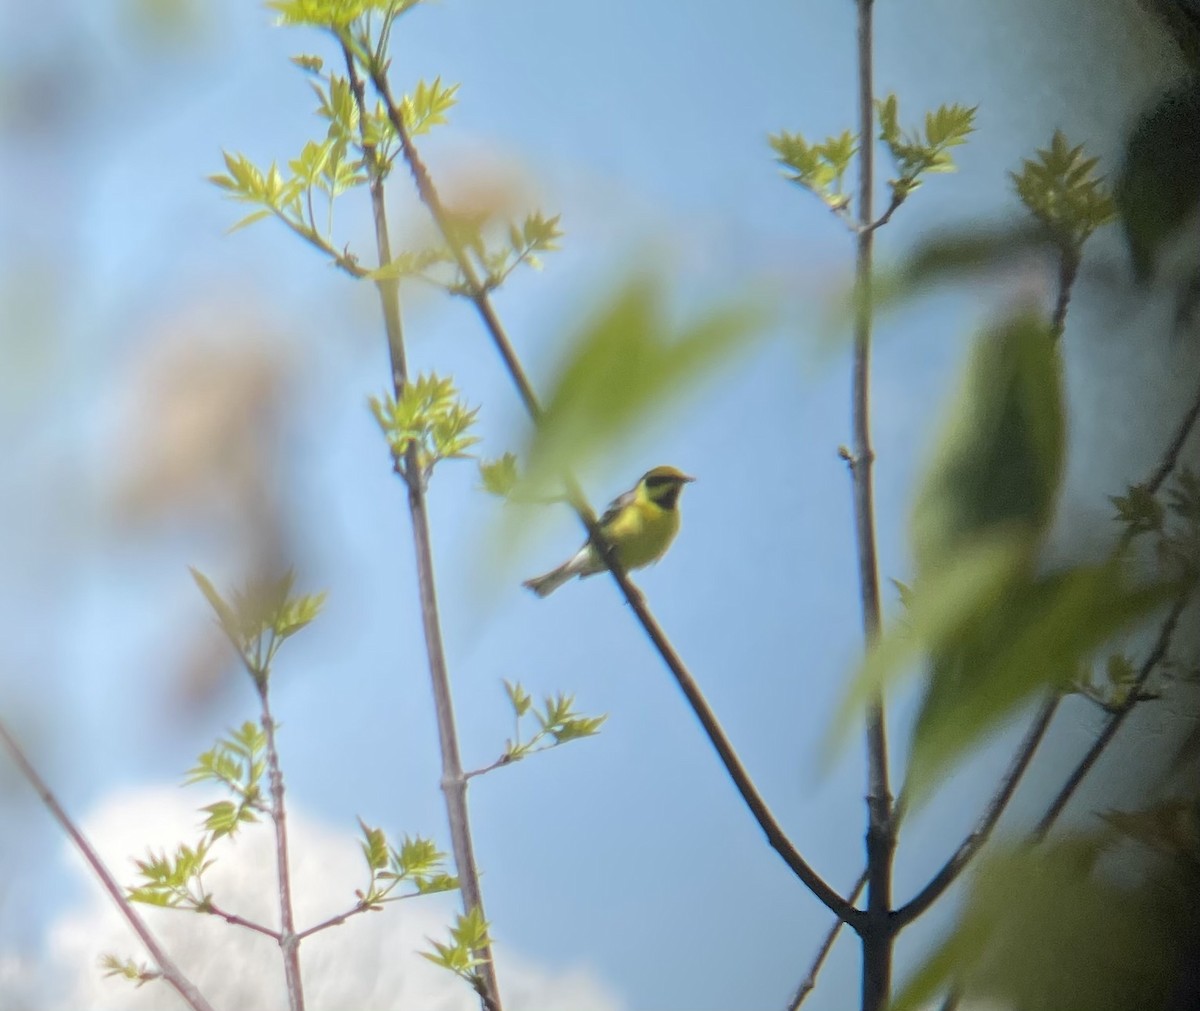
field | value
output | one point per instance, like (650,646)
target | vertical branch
(454,783)
(289,942)
(881,843)
(171,972)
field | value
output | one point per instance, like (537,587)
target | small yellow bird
(640,525)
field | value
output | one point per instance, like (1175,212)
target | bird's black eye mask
(664,490)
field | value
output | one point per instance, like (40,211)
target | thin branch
(898,197)
(1170,458)
(454,783)
(1113,724)
(1068,269)
(510,759)
(478,295)
(240,921)
(881,834)
(171,972)
(810,981)
(289,943)
(983,830)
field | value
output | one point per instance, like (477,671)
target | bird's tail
(582,564)
(546,584)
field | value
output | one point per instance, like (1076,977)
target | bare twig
(478,296)
(240,921)
(810,980)
(1170,458)
(454,783)
(1068,268)
(1113,724)
(289,943)
(171,972)
(881,835)
(898,197)
(974,842)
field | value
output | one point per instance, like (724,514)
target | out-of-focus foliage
(629,362)
(1158,188)
(1050,928)
(993,629)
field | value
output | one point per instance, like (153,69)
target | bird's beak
(686,479)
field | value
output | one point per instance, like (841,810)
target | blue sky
(645,125)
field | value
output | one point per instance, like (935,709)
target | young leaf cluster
(468,936)
(174,881)
(820,167)
(336,14)
(357,148)
(917,153)
(1060,189)
(128,969)
(1175,525)
(236,762)
(417,862)
(521,244)
(430,416)
(557,722)
(1111,692)
(259,618)
(500,476)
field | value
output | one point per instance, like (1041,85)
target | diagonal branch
(983,830)
(454,783)
(171,972)
(808,984)
(478,295)
(1171,457)
(1113,724)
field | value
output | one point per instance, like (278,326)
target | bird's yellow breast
(641,532)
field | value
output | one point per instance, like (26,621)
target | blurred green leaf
(999,461)
(1171,828)
(628,363)
(1158,186)
(936,612)
(499,476)
(1041,930)
(1033,635)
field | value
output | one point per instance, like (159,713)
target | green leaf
(999,462)
(936,611)
(629,363)
(499,476)
(225,616)
(1033,635)
(1041,929)
(374,847)
(518,698)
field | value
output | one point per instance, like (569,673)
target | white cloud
(369,963)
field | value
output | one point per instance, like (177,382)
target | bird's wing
(615,507)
